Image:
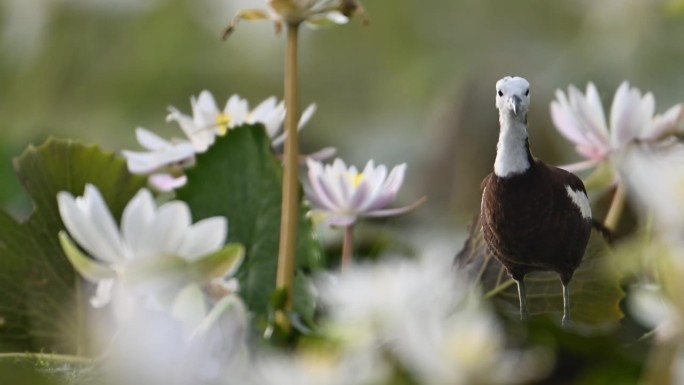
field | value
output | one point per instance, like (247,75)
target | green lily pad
(240,178)
(595,291)
(42,298)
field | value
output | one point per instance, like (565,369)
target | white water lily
(342,194)
(313,13)
(208,121)
(155,247)
(165,160)
(581,119)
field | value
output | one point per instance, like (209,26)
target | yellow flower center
(222,123)
(357,179)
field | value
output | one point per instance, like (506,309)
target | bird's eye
(527,92)
(500,93)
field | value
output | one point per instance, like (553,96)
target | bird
(534,217)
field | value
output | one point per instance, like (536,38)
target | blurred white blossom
(651,307)
(655,178)
(193,342)
(318,368)
(581,119)
(155,248)
(422,314)
(342,194)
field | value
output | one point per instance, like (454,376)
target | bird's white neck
(512,151)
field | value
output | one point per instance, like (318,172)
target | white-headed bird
(534,217)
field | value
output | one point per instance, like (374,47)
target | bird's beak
(514,103)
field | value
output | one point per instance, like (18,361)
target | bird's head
(513,96)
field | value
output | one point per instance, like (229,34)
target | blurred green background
(416,86)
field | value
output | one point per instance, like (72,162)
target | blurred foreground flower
(318,367)
(314,13)
(655,178)
(165,160)
(193,341)
(157,249)
(580,118)
(421,316)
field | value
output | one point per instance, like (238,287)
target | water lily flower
(581,119)
(153,249)
(208,121)
(165,160)
(314,13)
(343,194)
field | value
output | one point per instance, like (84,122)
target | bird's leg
(523,299)
(566,302)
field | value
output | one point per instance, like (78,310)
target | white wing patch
(580,199)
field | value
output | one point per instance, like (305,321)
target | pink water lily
(581,119)
(342,194)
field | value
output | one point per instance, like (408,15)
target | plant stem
(348,247)
(290,205)
(616,208)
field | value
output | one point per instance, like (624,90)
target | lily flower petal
(89,222)
(103,293)
(167,182)
(161,154)
(203,238)
(665,124)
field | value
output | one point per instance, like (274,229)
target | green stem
(616,208)
(348,247)
(499,289)
(290,205)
